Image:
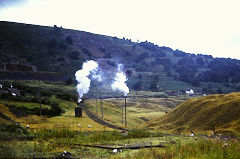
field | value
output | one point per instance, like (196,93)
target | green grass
(28,105)
(63,132)
(203,149)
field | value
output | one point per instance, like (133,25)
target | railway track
(100,121)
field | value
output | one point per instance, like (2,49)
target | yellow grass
(202,114)
(138,110)
(66,120)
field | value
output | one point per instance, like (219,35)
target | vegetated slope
(7,116)
(221,112)
(25,47)
(139,110)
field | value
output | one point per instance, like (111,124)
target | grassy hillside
(33,48)
(139,110)
(202,114)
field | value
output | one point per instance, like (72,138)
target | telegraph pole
(39,98)
(125,111)
(97,100)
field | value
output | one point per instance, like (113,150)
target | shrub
(13,129)
(55,109)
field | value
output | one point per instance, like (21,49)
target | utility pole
(39,97)
(122,114)
(125,111)
(101,108)
(97,100)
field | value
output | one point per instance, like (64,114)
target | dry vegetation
(219,112)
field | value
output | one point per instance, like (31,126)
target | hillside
(32,48)
(221,112)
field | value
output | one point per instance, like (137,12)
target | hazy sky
(194,26)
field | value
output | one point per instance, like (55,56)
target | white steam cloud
(119,82)
(83,77)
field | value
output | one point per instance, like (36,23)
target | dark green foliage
(129,73)
(74,55)
(200,61)
(70,96)
(69,81)
(69,40)
(52,43)
(56,29)
(142,56)
(140,76)
(39,46)
(86,52)
(186,61)
(62,45)
(219,90)
(13,129)
(107,55)
(149,46)
(140,68)
(102,49)
(179,53)
(154,83)
(55,109)
(163,61)
(111,63)
(137,86)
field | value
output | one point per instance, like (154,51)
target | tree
(74,55)
(219,90)
(137,86)
(129,73)
(200,61)
(69,40)
(52,43)
(69,81)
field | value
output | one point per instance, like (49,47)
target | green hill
(219,112)
(33,48)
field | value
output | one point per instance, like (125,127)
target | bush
(13,129)
(55,109)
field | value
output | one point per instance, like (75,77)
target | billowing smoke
(119,82)
(89,68)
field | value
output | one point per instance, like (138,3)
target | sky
(194,26)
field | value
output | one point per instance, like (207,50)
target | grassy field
(50,136)
(138,110)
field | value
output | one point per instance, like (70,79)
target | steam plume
(82,76)
(119,82)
